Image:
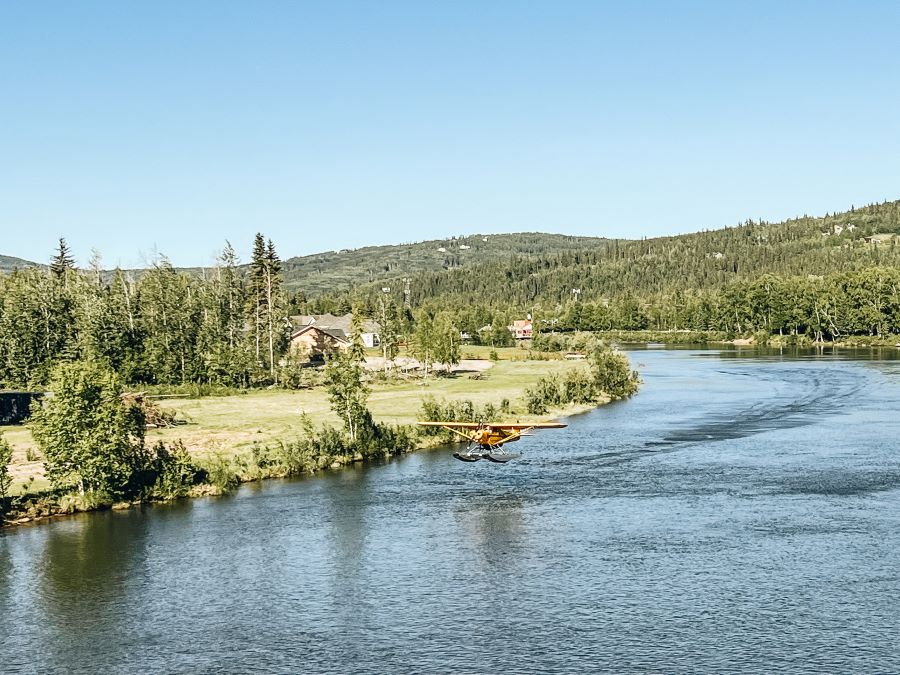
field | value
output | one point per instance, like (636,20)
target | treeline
(820,278)
(162,326)
(819,308)
(228,326)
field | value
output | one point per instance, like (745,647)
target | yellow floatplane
(486,440)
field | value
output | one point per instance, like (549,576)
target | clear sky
(171,126)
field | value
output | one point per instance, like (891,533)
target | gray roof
(332,322)
(337,334)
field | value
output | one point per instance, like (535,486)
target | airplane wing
(522,427)
(451,425)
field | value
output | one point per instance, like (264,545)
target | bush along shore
(95,454)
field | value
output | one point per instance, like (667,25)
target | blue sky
(172,126)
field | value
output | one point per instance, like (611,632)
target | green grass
(21,469)
(230,425)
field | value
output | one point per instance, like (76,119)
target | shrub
(221,474)
(534,403)
(91,439)
(174,471)
(578,387)
(545,393)
(610,375)
(612,372)
(294,372)
(5,461)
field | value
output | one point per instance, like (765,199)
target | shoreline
(718,338)
(36,515)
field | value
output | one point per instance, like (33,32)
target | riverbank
(239,433)
(713,338)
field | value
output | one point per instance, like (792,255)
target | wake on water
(792,396)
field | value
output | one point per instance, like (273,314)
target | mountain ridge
(533,265)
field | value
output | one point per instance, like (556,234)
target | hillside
(526,268)
(861,237)
(9,263)
(336,270)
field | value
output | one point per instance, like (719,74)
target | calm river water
(740,514)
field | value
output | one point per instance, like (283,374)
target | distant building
(317,343)
(521,329)
(340,325)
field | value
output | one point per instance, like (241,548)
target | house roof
(332,322)
(337,334)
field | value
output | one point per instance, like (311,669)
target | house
(318,342)
(521,329)
(369,330)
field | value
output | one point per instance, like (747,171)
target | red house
(521,329)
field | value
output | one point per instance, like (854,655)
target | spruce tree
(357,351)
(274,319)
(62,262)
(257,294)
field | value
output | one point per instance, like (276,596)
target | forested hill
(337,270)
(332,271)
(8,263)
(861,237)
(525,268)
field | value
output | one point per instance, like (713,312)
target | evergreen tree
(257,294)
(357,351)
(62,262)
(266,305)
(275,318)
(389,330)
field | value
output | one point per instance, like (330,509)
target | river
(740,514)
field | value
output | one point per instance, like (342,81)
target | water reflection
(346,502)
(494,526)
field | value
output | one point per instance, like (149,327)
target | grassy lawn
(231,424)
